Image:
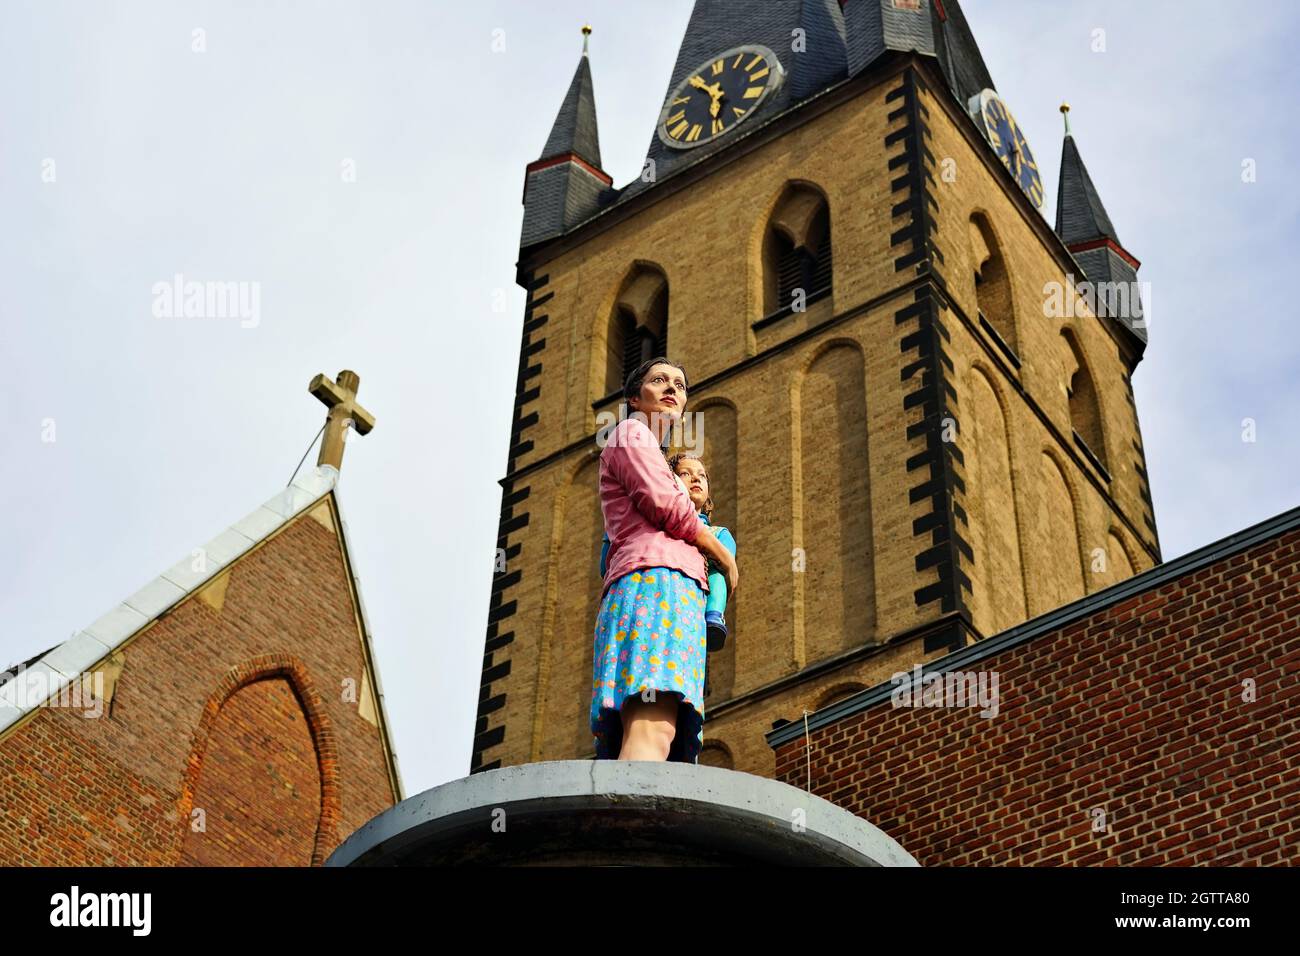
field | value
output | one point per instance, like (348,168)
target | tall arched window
(1085,407)
(797,259)
(993,288)
(638,326)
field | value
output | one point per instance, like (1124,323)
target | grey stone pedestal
(617,813)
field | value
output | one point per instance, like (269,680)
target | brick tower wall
(822,428)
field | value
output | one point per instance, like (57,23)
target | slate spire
(1080,215)
(1086,229)
(575,125)
(564,185)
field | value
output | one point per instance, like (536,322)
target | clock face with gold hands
(1008,141)
(719,95)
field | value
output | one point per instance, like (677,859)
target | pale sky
(225,164)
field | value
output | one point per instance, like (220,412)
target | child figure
(690,470)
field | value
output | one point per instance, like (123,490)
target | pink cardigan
(650,521)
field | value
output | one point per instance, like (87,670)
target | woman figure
(649,652)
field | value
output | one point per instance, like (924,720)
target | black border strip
(933,393)
(512,520)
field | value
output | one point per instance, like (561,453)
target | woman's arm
(638,464)
(715,549)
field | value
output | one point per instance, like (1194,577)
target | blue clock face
(1007,140)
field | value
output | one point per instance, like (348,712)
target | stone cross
(341,399)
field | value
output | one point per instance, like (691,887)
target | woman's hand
(731,571)
(711,547)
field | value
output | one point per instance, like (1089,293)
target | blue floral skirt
(649,635)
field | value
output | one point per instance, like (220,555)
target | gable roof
(66,662)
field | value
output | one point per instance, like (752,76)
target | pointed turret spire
(1086,229)
(563,186)
(1080,215)
(575,125)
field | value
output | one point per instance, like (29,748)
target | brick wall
(1131,716)
(231,706)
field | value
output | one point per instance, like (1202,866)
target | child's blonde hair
(682,456)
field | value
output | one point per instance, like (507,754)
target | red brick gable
(234,707)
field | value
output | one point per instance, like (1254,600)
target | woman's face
(663,391)
(697,481)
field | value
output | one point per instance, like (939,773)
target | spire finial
(1065,112)
(586,33)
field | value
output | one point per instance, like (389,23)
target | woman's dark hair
(632,387)
(681,456)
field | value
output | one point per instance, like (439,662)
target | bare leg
(648,727)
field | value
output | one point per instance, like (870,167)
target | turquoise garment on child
(717,597)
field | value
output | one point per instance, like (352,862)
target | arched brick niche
(261,786)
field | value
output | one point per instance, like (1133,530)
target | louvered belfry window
(639,344)
(802,268)
(638,328)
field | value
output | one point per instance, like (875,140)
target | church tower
(917,414)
